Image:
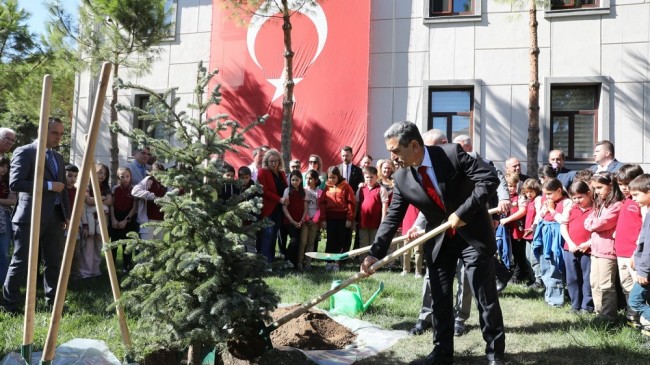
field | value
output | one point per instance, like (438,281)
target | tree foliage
(196,284)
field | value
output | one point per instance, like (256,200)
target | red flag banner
(331,55)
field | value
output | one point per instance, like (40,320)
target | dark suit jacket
(355,178)
(21,180)
(613,166)
(466,187)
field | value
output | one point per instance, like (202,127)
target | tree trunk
(115,149)
(287,100)
(532,144)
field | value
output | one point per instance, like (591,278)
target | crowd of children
(587,240)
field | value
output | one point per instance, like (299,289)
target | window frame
(449,115)
(570,153)
(137,100)
(451,12)
(561,5)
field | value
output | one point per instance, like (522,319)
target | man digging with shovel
(446,185)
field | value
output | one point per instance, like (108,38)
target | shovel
(352,253)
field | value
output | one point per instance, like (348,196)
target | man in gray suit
(55,213)
(446,184)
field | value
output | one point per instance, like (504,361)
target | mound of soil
(313,330)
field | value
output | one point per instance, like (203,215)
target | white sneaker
(404,273)
(644,322)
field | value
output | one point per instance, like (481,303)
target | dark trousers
(293,234)
(481,276)
(336,236)
(522,271)
(51,249)
(578,268)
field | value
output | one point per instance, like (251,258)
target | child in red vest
(372,203)
(628,228)
(514,222)
(123,215)
(577,243)
(294,217)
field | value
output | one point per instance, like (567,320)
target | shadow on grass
(566,355)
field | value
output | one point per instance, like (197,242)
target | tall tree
(282,10)
(532,142)
(197,286)
(123,32)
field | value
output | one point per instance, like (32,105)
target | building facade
(463,66)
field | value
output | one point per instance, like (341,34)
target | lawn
(536,333)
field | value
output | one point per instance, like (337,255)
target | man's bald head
(434,137)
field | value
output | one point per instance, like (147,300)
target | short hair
(346,149)
(370,170)
(562,156)
(532,185)
(157,166)
(583,175)
(54,120)
(512,178)
(5,131)
(244,170)
(608,145)
(627,173)
(579,187)
(435,136)
(229,168)
(640,183)
(72,168)
(464,138)
(260,148)
(294,161)
(405,132)
(368,156)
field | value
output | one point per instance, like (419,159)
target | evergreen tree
(197,286)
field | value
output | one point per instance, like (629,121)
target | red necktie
(428,187)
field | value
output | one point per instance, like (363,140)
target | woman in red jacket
(336,212)
(273,180)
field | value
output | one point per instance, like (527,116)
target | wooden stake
(110,264)
(84,177)
(35,232)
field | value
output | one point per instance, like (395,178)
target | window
(158,132)
(574,110)
(451,110)
(451,7)
(573,4)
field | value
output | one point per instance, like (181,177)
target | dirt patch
(313,330)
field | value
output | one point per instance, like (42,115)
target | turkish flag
(330,70)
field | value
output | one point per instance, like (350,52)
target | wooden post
(87,164)
(35,232)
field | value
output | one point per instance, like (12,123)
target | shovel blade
(327,256)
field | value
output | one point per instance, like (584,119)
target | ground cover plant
(536,333)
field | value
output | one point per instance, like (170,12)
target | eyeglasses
(272,161)
(295,167)
(313,161)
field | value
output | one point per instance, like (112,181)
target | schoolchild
(548,241)
(123,214)
(532,190)
(372,203)
(337,206)
(71,174)
(91,252)
(245,182)
(295,209)
(640,295)
(577,252)
(515,223)
(310,227)
(601,222)
(627,232)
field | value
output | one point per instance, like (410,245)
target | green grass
(536,333)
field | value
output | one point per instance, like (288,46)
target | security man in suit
(446,184)
(55,213)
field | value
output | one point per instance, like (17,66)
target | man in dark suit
(605,158)
(445,183)
(55,213)
(354,176)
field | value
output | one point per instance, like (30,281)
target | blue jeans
(5,240)
(553,280)
(639,300)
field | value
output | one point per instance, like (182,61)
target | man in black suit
(55,213)
(354,176)
(462,188)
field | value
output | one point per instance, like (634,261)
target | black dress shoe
(419,328)
(436,357)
